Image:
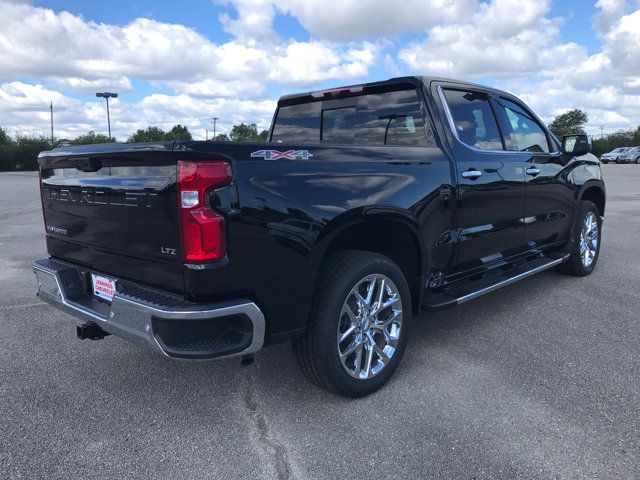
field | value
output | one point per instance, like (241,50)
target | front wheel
(359,324)
(585,247)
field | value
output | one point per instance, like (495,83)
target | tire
(581,263)
(323,358)
(604,161)
(637,160)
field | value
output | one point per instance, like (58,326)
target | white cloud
(40,43)
(350,20)
(622,44)
(210,88)
(307,63)
(24,110)
(609,12)
(253,21)
(122,84)
(486,45)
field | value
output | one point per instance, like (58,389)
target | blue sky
(182,63)
(202,15)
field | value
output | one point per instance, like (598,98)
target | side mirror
(576,145)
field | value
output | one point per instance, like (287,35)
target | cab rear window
(298,123)
(386,118)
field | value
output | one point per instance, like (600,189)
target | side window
(521,128)
(473,119)
(297,124)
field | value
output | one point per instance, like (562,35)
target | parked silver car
(613,155)
(631,155)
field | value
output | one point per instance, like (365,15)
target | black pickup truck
(368,205)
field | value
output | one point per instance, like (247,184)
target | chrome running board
(464,291)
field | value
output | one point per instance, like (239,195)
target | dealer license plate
(103,287)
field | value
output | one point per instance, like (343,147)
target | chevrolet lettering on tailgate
(93,196)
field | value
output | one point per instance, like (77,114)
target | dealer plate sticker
(103,287)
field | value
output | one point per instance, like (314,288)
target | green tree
(247,133)
(4,138)
(90,138)
(155,134)
(151,134)
(22,153)
(178,132)
(569,122)
(221,137)
(621,138)
(244,132)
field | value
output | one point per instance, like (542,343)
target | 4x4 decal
(288,155)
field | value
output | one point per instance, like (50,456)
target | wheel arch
(594,193)
(394,236)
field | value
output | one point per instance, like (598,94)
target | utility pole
(107,96)
(214,120)
(51,107)
(601,131)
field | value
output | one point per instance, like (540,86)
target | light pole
(107,96)
(52,142)
(215,120)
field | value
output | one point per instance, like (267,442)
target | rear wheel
(359,324)
(585,247)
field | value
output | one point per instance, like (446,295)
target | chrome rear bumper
(157,320)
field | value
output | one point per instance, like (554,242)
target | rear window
(386,118)
(298,123)
(339,124)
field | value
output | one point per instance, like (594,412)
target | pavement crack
(274,452)
(22,305)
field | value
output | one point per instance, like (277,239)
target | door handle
(533,171)
(472,174)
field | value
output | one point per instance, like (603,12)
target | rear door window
(473,119)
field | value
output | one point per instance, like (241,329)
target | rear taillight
(44,217)
(203,229)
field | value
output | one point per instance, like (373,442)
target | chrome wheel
(589,238)
(369,327)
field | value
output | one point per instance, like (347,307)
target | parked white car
(631,155)
(613,155)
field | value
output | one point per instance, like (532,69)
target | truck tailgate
(114,209)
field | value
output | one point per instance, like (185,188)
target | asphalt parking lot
(539,380)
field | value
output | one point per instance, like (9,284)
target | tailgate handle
(87,164)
